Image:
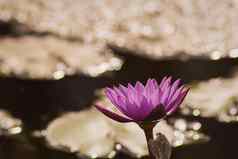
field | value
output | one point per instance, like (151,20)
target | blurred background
(57,56)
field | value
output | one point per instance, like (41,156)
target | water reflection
(78,132)
(9,125)
(216,98)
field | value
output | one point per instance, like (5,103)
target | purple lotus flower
(144,103)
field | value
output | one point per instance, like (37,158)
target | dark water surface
(37,102)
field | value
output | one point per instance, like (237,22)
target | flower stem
(148,130)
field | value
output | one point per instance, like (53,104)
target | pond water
(37,102)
